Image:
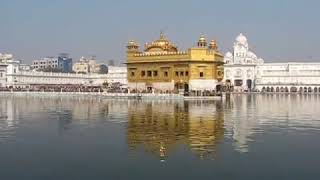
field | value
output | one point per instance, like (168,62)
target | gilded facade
(162,67)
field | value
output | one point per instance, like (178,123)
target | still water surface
(244,137)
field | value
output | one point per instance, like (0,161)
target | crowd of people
(52,88)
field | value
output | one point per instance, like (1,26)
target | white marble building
(25,79)
(13,74)
(3,73)
(7,65)
(117,74)
(240,66)
(244,71)
(288,77)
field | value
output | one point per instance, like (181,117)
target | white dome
(241,39)
(228,55)
(260,61)
(252,55)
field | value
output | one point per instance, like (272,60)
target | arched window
(268,89)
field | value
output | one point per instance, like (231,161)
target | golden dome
(132,43)
(202,38)
(162,44)
(202,41)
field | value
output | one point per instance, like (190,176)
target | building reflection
(241,120)
(161,127)
(246,116)
(9,115)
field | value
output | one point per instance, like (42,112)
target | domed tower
(132,47)
(240,49)
(213,45)
(202,41)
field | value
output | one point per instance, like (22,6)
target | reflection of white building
(250,115)
(240,65)
(244,71)
(9,117)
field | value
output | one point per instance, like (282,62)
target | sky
(277,30)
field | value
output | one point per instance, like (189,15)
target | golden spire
(162,36)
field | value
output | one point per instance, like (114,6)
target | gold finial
(162,36)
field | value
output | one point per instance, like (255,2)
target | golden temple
(162,67)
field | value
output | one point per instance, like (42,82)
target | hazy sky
(277,30)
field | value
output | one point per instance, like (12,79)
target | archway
(309,89)
(293,89)
(249,84)
(300,89)
(263,89)
(268,89)
(286,89)
(277,89)
(305,89)
(218,88)
(315,90)
(272,89)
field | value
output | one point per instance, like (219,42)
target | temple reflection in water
(164,127)
(159,127)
